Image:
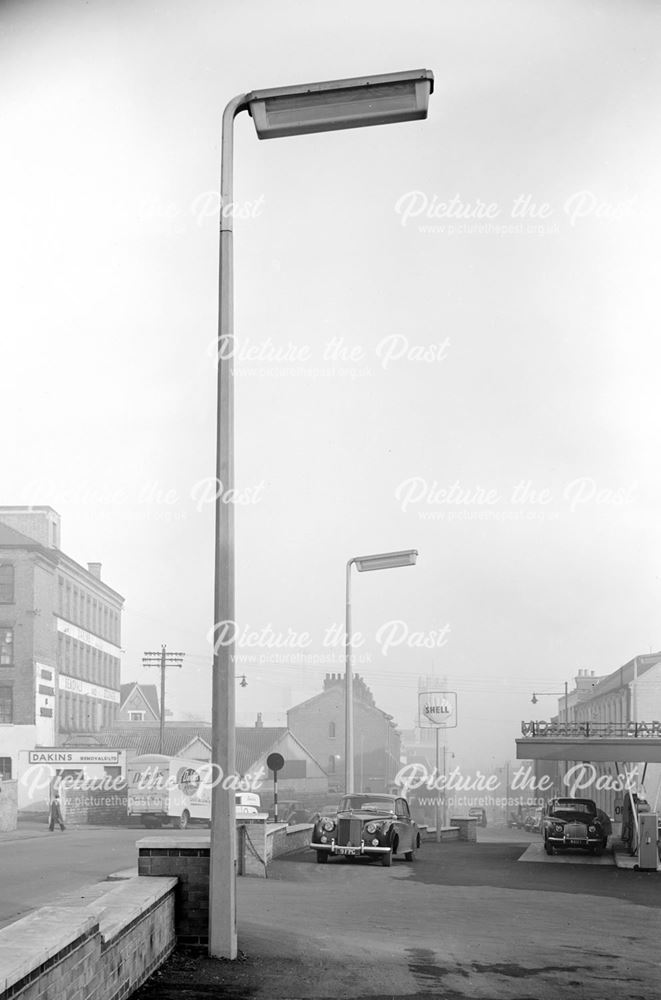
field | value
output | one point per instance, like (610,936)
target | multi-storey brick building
(60,630)
(319,725)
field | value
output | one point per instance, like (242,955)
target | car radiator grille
(349,830)
(575,831)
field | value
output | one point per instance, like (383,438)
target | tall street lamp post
(284,111)
(364,564)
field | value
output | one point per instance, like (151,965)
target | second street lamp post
(555,694)
(364,564)
(285,111)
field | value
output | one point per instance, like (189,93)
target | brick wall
(8,805)
(89,804)
(158,856)
(101,951)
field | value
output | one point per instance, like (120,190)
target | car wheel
(598,851)
(322,858)
(182,822)
(548,847)
(409,855)
(386,859)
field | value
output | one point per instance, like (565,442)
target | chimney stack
(94,569)
(258,721)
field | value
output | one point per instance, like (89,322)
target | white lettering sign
(76,686)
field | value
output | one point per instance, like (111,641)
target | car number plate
(347,850)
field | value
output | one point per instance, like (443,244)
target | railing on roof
(592,729)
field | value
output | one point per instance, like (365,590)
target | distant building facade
(319,724)
(60,628)
(629,695)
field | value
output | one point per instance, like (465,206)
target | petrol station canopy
(632,742)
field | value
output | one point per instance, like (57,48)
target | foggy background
(547,340)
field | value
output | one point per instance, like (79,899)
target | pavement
(462,921)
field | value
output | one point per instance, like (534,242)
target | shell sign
(437,709)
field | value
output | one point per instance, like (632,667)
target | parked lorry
(164,790)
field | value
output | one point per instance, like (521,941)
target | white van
(169,790)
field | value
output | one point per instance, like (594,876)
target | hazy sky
(544,115)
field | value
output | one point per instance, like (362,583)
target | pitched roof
(146,739)
(251,742)
(148,691)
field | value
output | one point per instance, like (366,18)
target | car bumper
(356,850)
(575,841)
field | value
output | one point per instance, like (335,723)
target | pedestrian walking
(55,815)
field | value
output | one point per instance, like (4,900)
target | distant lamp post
(282,111)
(555,694)
(364,564)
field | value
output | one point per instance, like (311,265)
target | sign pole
(438,811)
(275,762)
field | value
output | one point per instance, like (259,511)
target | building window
(331,730)
(5,768)
(6,583)
(136,716)
(6,647)
(6,704)
(331,764)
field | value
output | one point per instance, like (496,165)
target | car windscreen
(575,808)
(367,805)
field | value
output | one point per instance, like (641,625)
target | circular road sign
(275,762)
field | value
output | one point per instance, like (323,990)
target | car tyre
(386,859)
(322,857)
(548,848)
(409,856)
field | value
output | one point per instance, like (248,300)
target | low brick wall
(259,842)
(103,950)
(8,806)
(467,827)
(428,834)
(90,804)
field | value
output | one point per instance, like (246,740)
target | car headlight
(592,829)
(558,828)
(327,824)
(372,827)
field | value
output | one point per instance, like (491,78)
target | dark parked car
(369,825)
(572,823)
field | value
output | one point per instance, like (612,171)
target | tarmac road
(36,866)
(462,921)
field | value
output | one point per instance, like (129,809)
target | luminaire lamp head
(338,104)
(386,560)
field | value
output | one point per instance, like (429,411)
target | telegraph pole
(162,660)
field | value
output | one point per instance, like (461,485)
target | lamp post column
(222,874)
(348,690)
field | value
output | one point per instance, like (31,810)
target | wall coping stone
(43,934)
(34,939)
(162,843)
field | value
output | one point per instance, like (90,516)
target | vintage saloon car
(574,823)
(367,825)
